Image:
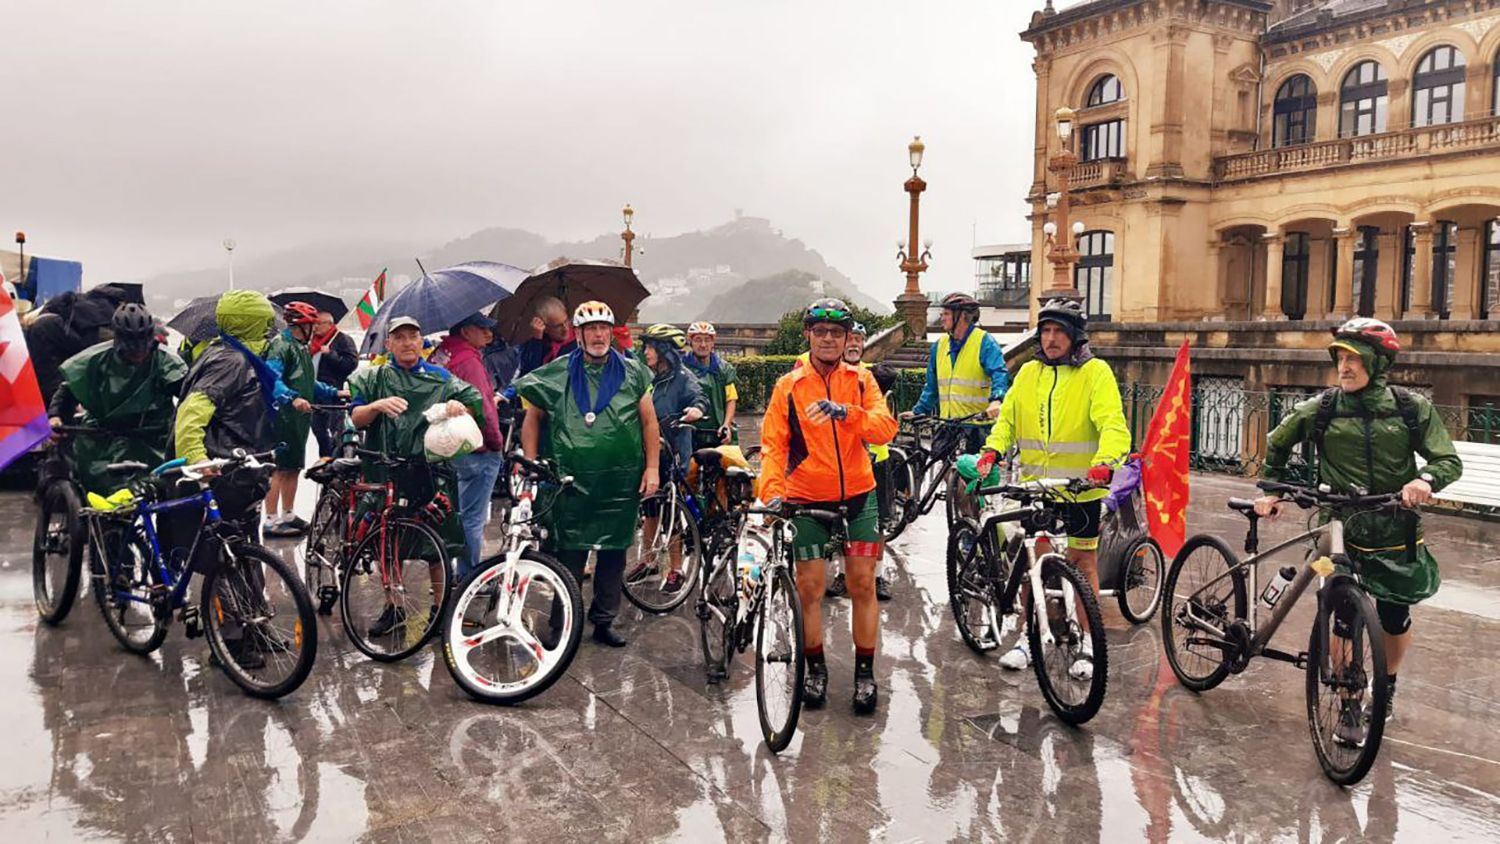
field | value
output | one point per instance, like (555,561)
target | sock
(814,654)
(864,662)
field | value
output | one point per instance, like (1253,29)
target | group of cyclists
(615,418)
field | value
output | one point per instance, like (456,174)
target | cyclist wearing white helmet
(720,386)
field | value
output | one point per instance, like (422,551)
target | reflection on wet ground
(634,744)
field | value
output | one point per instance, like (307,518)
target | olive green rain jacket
(134,400)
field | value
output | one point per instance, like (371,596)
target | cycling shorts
(1395,618)
(1081,521)
(813,535)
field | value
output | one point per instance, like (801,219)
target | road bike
(1212,628)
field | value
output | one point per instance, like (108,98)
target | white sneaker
(1083,667)
(1017,658)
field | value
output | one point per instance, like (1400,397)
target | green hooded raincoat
(136,400)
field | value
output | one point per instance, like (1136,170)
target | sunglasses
(828,313)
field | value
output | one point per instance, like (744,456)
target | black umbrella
(574,281)
(442,298)
(317,298)
(198,322)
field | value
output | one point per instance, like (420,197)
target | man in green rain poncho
(389,401)
(127,388)
(1367,435)
(289,356)
(595,406)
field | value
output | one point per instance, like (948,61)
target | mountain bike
(253,609)
(1211,622)
(674,544)
(514,625)
(921,468)
(988,562)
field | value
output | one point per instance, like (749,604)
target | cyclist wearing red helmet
(1368,435)
(288,355)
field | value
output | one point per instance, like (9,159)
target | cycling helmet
(133,322)
(859,329)
(1065,312)
(669,335)
(1371,332)
(299,313)
(590,312)
(960,302)
(701,327)
(828,310)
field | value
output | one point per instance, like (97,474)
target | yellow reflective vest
(1063,420)
(963,385)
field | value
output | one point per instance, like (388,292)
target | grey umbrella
(442,298)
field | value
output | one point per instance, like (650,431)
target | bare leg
(288,478)
(859,576)
(811,581)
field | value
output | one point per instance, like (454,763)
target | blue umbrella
(440,299)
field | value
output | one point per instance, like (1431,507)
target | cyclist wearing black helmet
(127,385)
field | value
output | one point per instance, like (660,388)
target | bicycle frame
(144,516)
(995,517)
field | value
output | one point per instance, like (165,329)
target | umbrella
(317,298)
(439,299)
(573,281)
(197,322)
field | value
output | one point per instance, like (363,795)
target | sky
(139,135)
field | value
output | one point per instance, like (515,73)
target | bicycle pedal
(192,625)
(328,598)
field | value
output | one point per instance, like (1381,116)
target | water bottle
(748,567)
(1276,588)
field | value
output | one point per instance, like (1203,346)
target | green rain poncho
(606,459)
(291,358)
(1368,446)
(133,399)
(423,386)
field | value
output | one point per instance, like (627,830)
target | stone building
(1251,172)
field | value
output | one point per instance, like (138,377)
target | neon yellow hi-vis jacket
(1064,420)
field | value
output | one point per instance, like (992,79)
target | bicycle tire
(455,640)
(966,585)
(1236,601)
(780,589)
(55,600)
(1142,564)
(229,591)
(901,515)
(362,575)
(718,608)
(1057,568)
(645,589)
(119,539)
(1341,592)
(322,550)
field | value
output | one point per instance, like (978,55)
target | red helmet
(1373,333)
(299,313)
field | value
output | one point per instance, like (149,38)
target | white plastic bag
(449,437)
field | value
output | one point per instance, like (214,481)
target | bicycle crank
(1240,638)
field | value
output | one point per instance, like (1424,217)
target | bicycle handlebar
(1040,488)
(1306,497)
(390,460)
(541,470)
(195,471)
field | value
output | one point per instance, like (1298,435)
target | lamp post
(1061,252)
(229,245)
(628,236)
(911,304)
(21,245)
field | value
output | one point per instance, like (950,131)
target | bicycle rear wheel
(396,583)
(1075,699)
(322,551)
(779,661)
(1143,571)
(718,607)
(57,552)
(901,495)
(974,579)
(1347,686)
(650,561)
(124,582)
(1200,591)
(510,631)
(259,622)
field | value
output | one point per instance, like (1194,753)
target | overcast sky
(139,134)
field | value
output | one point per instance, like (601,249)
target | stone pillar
(1216,272)
(1421,274)
(913,310)
(1388,275)
(1275,246)
(1466,275)
(1343,273)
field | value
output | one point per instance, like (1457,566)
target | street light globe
(628,213)
(1078,228)
(914,150)
(927,244)
(900,246)
(229,244)
(1064,117)
(1049,228)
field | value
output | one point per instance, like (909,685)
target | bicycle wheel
(650,561)
(900,514)
(1143,572)
(972,592)
(322,551)
(1075,699)
(1347,686)
(512,630)
(259,621)
(1200,591)
(123,586)
(396,582)
(718,607)
(779,661)
(57,552)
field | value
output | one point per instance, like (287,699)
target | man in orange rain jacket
(813,441)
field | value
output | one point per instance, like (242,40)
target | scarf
(320,341)
(263,371)
(712,367)
(609,383)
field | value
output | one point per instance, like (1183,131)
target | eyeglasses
(824,331)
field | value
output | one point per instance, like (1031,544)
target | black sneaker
(245,654)
(866,693)
(836,587)
(882,589)
(815,685)
(1350,731)
(389,620)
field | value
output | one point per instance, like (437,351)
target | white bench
(1480,483)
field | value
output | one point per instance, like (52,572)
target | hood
(246,315)
(670,357)
(457,348)
(1378,365)
(1079,355)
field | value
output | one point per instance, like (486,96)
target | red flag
(1164,474)
(23,414)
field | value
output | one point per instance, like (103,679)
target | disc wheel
(973,586)
(124,587)
(259,622)
(1201,592)
(322,551)
(1143,572)
(57,552)
(511,631)
(1074,698)
(666,539)
(395,585)
(1347,686)
(779,661)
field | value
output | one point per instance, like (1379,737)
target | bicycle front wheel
(322,551)
(1143,572)
(1072,681)
(396,582)
(902,493)
(779,661)
(662,567)
(1200,598)
(259,621)
(124,582)
(57,552)
(718,606)
(971,591)
(1347,687)
(512,630)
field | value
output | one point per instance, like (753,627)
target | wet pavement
(635,744)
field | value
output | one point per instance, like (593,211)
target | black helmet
(133,321)
(1065,312)
(960,302)
(828,310)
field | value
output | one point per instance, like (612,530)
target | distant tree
(789,339)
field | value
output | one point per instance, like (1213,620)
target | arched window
(1438,88)
(1105,90)
(1363,100)
(1296,110)
(1094,275)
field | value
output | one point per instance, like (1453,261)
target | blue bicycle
(253,609)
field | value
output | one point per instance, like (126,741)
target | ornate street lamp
(1061,253)
(628,236)
(911,304)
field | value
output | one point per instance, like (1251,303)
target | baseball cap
(477,320)
(402,322)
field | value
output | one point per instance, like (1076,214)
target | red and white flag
(370,304)
(23,413)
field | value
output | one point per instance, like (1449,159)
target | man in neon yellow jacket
(1064,417)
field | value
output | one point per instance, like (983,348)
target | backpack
(1406,406)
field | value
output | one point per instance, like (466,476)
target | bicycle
(395,572)
(989,559)
(921,467)
(1212,629)
(515,624)
(253,609)
(676,540)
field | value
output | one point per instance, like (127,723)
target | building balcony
(1449,138)
(1098,173)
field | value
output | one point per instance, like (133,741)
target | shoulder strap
(1328,402)
(1407,404)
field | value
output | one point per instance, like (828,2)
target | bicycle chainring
(1240,636)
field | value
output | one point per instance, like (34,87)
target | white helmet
(702,327)
(590,312)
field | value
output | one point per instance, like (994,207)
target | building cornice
(1324,30)
(1088,22)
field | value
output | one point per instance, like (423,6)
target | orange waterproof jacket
(804,461)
